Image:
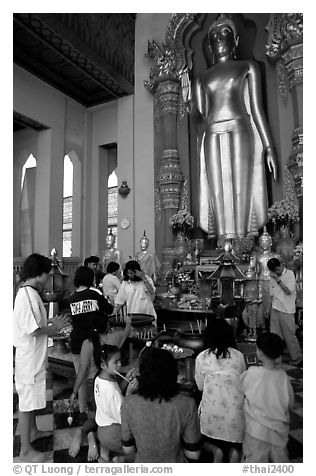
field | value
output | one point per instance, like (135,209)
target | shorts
(259,451)
(91,406)
(111,438)
(31,396)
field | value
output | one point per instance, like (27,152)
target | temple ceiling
(87,56)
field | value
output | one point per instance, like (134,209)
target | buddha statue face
(222,41)
(265,243)
(222,36)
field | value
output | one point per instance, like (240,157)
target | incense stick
(191,328)
(122,376)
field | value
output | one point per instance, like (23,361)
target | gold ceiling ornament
(185,195)
(288,185)
(172,57)
(284,30)
(157,201)
(295,162)
(283,82)
(168,94)
(170,179)
(285,48)
(165,65)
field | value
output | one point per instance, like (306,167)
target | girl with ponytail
(108,398)
(90,366)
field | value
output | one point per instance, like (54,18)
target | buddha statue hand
(271,161)
(186,86)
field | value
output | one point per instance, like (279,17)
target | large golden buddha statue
(233,138)
(148,261)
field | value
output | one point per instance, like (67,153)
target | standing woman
(137,291)
(30,333)
(85,305)
(217,371)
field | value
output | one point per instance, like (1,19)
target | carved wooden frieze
(285,47)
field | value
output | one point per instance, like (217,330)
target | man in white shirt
(283,294)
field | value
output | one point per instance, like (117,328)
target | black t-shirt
(84,307)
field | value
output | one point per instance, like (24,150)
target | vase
(285,245)
(190,337)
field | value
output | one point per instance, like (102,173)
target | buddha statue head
(144,242)
(110,240)
(222,35)
(265,240)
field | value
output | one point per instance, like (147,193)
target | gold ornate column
(165,84)
(285,48)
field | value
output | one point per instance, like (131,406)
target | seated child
(268,399)
(88,369)
(108,398)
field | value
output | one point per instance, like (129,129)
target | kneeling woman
(158,422)
(217,371)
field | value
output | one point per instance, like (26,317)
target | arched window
(67,206)
(27,206)
(112,202)
(29,164)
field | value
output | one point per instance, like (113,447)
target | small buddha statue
(111,253)
(264,254)
(252,299)
(251,272)
(148,261)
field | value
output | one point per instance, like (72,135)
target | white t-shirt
(280,300)
(136,297)
(268,394)
(31,352)
(108,400)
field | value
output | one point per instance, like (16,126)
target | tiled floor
(54,417)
